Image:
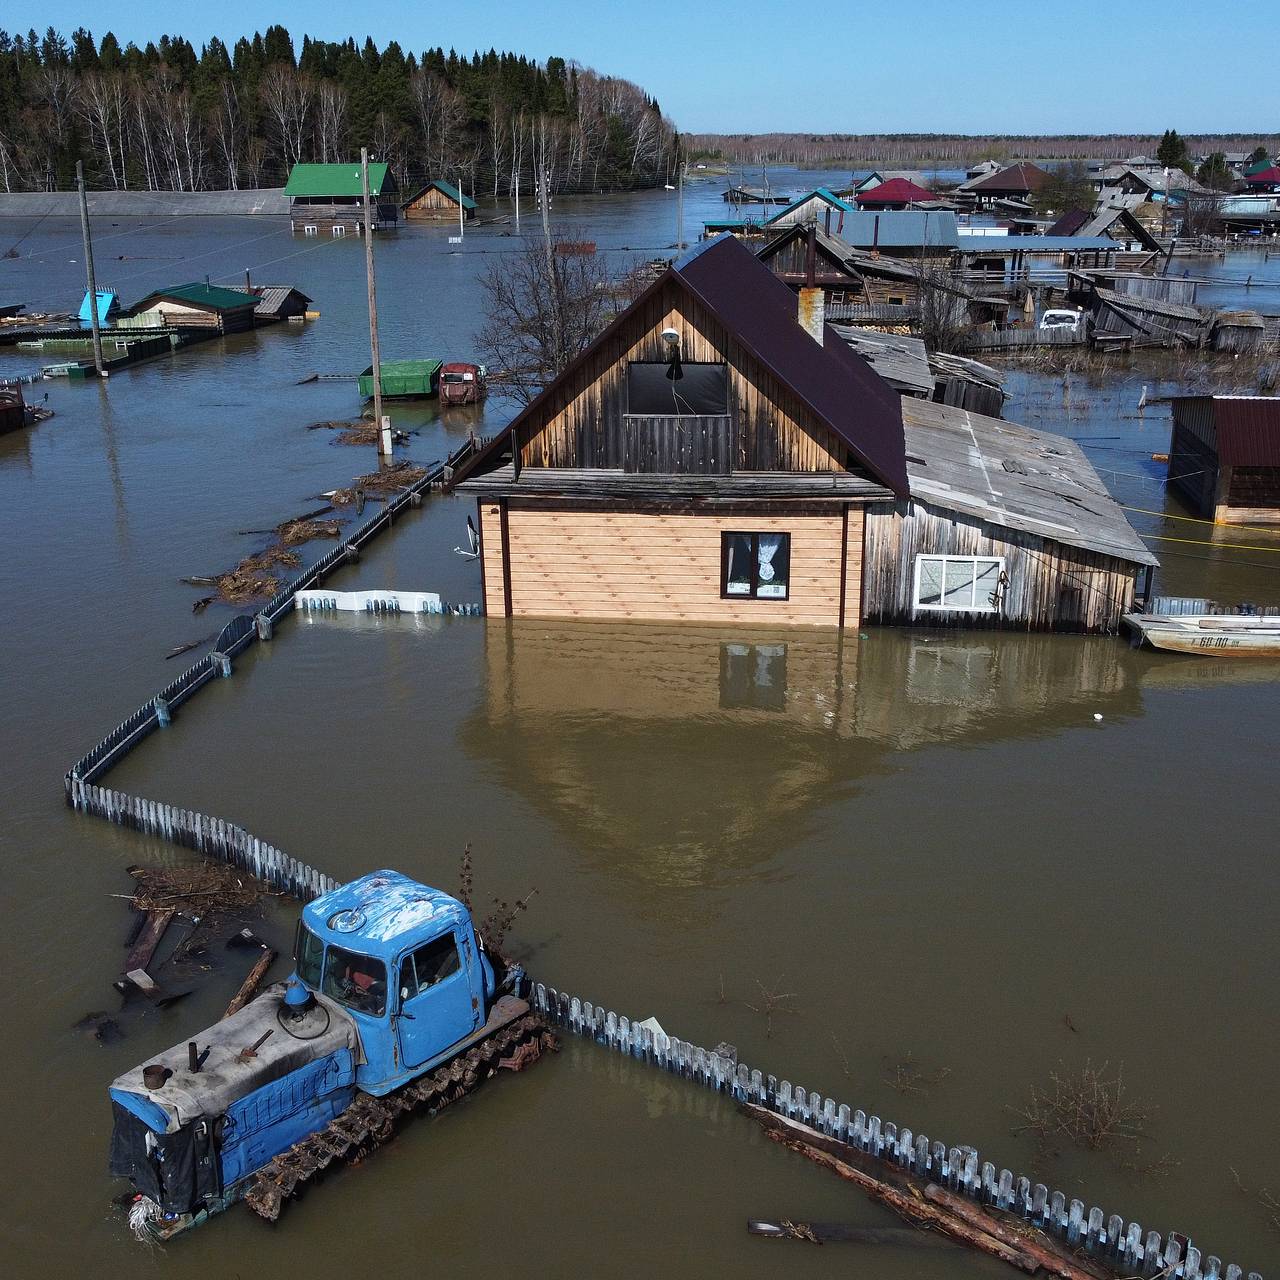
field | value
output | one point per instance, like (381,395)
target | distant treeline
(946,151)
(164,117)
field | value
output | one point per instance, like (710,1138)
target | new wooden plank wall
(1038,570)
(665,566)
(491,559)
(584,422)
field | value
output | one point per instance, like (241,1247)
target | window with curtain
(755,565)
(969,584)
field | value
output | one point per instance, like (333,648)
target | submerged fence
(1110,1239)
(208,835)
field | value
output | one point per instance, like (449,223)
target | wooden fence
(1006,339)
(1122,1244)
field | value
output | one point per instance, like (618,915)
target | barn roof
(335,180)
(1009,475)
(759,311)
(900,229)
(1247,428)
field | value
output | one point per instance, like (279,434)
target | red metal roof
(1247,429)
(1264,177)
(896,191)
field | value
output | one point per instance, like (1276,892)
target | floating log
(842,1233)
(928,1206)
(250,984)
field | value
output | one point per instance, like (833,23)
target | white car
(1071,321)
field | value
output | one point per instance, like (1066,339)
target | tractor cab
(404,961)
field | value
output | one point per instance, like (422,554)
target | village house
(1224,457)
(717,454)
(819,206)
(328,199)
(438,201)
(1017,183)
(192,306)
(896,193)
(847,276)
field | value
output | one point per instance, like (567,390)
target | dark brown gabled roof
(1022,177)
(759,311)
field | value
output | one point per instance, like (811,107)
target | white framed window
(959,584)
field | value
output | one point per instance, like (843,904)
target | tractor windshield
(359,982)
(308,954)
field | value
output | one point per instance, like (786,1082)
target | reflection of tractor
(462,383)
(394,1005)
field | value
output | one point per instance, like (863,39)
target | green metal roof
(334,180)
(449,189)
(203,295)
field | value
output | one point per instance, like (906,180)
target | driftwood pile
(393,478)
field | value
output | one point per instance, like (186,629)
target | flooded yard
(947,877)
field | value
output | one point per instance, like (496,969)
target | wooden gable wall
(585,423)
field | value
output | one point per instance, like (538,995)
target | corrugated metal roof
(955,460)
(335,180)
(201,295)
(1033,244)
(271,297)
(900,229)
(895,191)
(1247,428)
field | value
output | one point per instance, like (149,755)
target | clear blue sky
(854,66)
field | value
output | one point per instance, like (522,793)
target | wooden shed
(193,306)
(707,459)
(328,199)
(1135,321)
(1224,457)
(1004,527)
(438,201)
(819,205)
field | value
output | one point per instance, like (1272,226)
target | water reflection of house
(718,455)
(711,741)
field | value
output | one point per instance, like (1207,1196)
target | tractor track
(369,1122)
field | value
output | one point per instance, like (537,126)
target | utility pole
(88,272)
(680,207)
(383,424)
(462,229)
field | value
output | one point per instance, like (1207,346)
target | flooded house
(328,199)
(202,306)
(438,201)
(706,459)
(1018,183)
(721,455)
(895,193)
(849,277)
(1224,457)
(820,206)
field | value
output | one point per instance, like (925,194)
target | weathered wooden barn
(1004,527)
(847,276)
(1224,457)
(328,199)
(1123,318)
(438,201)
(13,409)
(706,459)
(819,206)
(192,306)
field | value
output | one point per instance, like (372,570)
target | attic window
(677,389)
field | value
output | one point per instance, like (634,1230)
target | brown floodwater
(928,839)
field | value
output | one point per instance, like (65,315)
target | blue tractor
(394,1006)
